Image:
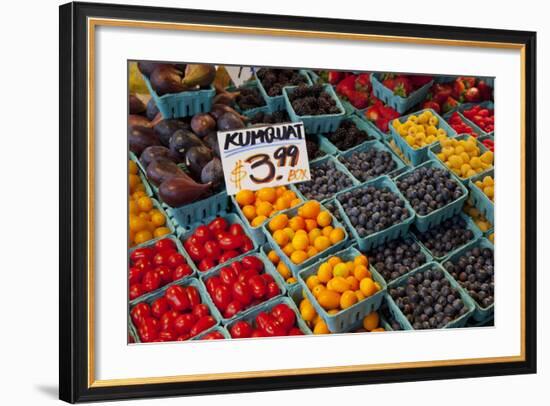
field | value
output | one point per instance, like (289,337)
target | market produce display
(390,233)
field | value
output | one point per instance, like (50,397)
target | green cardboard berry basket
(400,166)
(183,104)
(184,233)
(295,268)
(480,313)
(250,317)
(470,225)
(418,155)
(180,249)
(276,103)
(268,268)
(378,238)
(423,223)
(361,124)
(320,123)
(401,104)
(340,167)
(455,323)
(346,319)
(150,298)
(436,149)
(408,238)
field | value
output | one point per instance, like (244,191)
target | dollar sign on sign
(238,174)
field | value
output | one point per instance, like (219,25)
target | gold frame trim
(94,22)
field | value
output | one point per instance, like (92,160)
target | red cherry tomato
(222,297)
(241,329)
(139,253)
(201,310)
(135,291)
(236,229)
(232,309)
(284,315)
(148,331)
(263,319)
(195,251)
(237,266)
(257,286)
(165,244)
(175,259)
(218,225)
(214,335)
(246,274)
(274,329)
(193,296)
(159,307)
(143,263)
(212,283)
(202,324)
(228,275)
(177,297)
(139,312)
(167,320)
(231,242)
(151,281)
(206,263)
(161,258)
(135,275)
(165,274)
(184,323)
(242,293)
(181,271)
(212,249)
(202,234)
(227,255)
(272,290)
(253,262)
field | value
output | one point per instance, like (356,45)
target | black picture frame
(73,289)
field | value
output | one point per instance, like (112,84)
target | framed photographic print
(242,192)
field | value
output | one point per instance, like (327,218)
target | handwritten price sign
(258,157)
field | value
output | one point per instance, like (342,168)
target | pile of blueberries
(429,189)
(475,271)
(348,136)
(428,300)
(366,165)
(396,258)
(372,209)
(446,237)
(326,181)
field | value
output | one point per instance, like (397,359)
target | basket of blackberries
(398,257)
(449,236)
(371,160)
(351,132)
(434,194)
(375,212)
(328,177)
(272,81)
(474,268)
(247,98)
(316,106)
(318,147)
(429,298)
